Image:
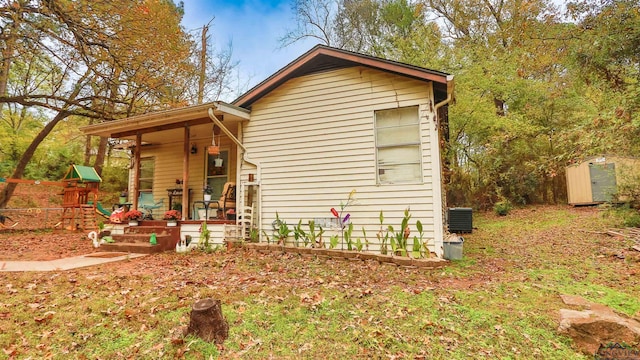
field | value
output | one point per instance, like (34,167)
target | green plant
(382,235)
(333,241)
(424,246)
(253,234)
(359,245)
(299,234)
(632,220)
(101,225)
(502,208)
(281,230)
(399,238)
(366,241)
(315,238)
(347,236)
(205,235)
(312,233)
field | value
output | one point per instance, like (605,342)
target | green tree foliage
(606,59)
(97,59)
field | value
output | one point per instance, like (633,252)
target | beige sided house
(299,142)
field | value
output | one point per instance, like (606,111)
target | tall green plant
(281,230)
(417,241)
(205,235)
(399,238)
(315,238)
(347,236)
(382,235)
(300,234)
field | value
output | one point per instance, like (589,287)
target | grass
(500,301)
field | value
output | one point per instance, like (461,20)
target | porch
(180,156)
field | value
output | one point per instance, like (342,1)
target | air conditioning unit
(460,220)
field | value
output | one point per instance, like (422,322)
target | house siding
(314,139)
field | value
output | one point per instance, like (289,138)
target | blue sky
(253,27)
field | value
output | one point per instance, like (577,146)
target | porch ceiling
(162,125)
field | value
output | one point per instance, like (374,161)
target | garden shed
(597,179)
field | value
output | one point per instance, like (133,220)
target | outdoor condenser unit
(460,220)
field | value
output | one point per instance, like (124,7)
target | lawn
(500,301)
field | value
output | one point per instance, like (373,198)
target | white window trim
(418,143)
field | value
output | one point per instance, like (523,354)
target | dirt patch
(39,246)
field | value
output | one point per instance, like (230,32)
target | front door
(603,181)
(217,172)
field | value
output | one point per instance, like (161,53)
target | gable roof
(324,58)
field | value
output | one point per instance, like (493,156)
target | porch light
(194,148)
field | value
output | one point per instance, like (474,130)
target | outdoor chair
(147,204)
(228,199)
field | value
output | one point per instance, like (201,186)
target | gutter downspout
(441,198)
(450,87)
(245,157)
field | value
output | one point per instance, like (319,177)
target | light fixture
(194,148)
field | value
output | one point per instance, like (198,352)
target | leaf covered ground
(501,300)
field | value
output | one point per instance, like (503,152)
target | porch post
(136,170)
(185,173)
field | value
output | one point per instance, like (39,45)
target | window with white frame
(147,169)
(398,145)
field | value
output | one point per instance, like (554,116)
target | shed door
(603,181)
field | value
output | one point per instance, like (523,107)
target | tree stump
(207,322)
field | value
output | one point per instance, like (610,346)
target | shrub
(502,208)
(632,219)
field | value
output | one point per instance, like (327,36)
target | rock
(597,325)
(574,300)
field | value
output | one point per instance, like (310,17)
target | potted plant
(172,217)
(207,190)
(133,216)
(123,197)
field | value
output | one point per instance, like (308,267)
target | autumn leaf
(46,317)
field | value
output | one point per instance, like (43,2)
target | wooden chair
(228,199)
(147,204)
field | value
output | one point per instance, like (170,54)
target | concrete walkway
(66,263)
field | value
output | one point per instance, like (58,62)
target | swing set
(79,196)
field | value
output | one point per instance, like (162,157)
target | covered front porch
(173,166)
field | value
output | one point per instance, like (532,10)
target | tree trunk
(100,156)
(207,321)
(6,194)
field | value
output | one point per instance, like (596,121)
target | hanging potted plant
(217,162)
(133,216)
(207,190)
(172,217)
(214,149)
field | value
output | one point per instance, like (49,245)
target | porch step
(136,248)
(140,238)
(136,239)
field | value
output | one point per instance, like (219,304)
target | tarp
(82,174)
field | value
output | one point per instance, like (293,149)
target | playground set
(80,188)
